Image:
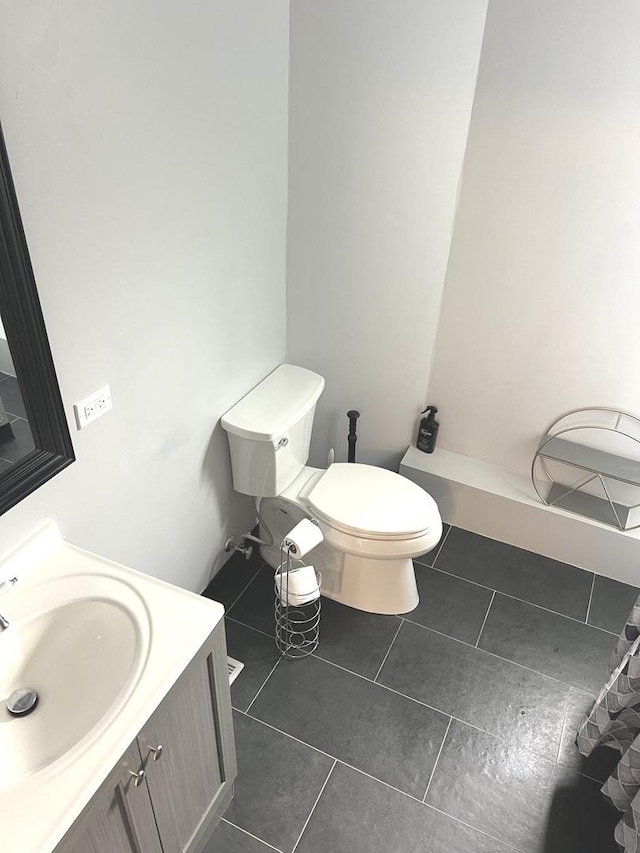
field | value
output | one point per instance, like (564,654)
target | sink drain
(22,701)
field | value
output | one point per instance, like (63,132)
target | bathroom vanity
(130,748)
(175,778)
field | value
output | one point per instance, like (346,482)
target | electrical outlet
(93,407)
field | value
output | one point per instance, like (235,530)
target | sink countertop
(38,811)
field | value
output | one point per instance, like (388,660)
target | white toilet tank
(269,430)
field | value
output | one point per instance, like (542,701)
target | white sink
(103,645)
(81,641)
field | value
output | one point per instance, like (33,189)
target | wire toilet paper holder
(297,609)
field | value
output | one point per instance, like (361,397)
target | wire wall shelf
(588,463)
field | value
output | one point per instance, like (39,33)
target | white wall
(148,142)
(380,100)
(542,296)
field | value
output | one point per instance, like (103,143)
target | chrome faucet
(6,584)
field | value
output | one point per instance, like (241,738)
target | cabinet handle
(157,751)
(138,777)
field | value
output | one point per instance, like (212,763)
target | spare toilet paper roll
(304,536)
(298,586)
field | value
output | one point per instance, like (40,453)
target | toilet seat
(372,503)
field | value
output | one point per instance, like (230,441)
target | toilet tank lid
(276,404)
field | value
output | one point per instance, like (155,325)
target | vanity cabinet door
(119,819)
(190,779)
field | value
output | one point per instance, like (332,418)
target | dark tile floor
(448,730)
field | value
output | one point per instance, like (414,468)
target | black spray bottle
(428,430)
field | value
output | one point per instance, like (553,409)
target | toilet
(374,521)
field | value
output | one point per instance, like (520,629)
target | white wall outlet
(93,407)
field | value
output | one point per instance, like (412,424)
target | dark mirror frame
(24,325)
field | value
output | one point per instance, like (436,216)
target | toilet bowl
(374,521)
(374,524)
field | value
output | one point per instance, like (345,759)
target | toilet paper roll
(297,586)
(304,536)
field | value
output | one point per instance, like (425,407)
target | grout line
(263,684)
(397,693)
(388,784)
(384,660)
(593,583)
(251,835)
(314,805)
(385,687)
(429,806)
(411,699)
(444,539)
(380,781)
(358,769)
(245,588)
(564,725)
(458,577)
(563,764)
(286,734)
(580,773)
(424,799)
(484,621)
(328,754)
(251,627)
(318,655)
(474,829)
(522,600)
(499,657)
(448,714)
(555,612)
(453,640)
(445,714)
(584,775)
(390,689)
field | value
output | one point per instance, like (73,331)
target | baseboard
(503,505)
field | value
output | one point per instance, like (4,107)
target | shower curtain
(614,720)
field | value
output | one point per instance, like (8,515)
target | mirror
(16,438)
(34,437)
